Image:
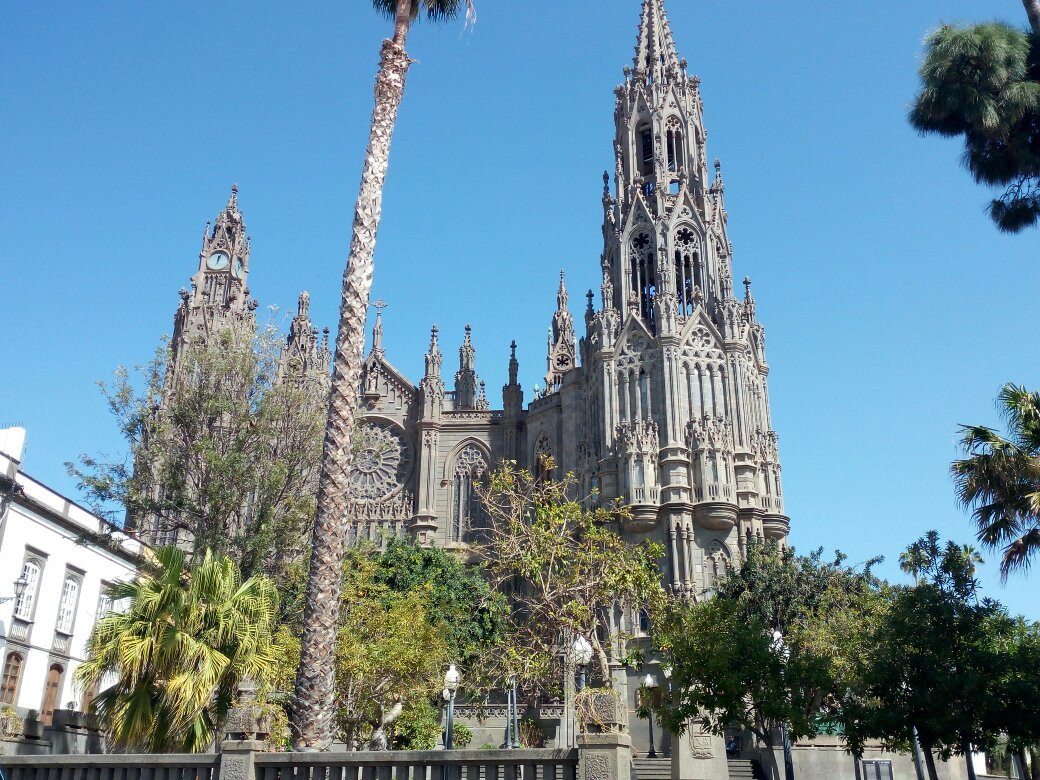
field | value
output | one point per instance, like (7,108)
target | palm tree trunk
(1033,12)
(313,707)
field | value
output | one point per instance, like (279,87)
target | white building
(66,555)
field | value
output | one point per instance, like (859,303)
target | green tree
(314,714)
(727,666)
(999,479)
(939,660)
(405,613)
(562,565)
(982,82)
(229,456)
(460,601)
(185,641)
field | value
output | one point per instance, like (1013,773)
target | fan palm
(313,709)
(179,651)
(982,81)
(1000,479)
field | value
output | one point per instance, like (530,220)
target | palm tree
(980,82)
(313,709)
(179,651)
(1000,479)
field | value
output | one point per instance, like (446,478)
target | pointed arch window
(470,468)
(646,150)
(674,144)
(545,463)
(643,278)
(688,275)
(716,562)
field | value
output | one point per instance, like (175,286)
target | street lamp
(20,586)
(451,685)
(512,716)
(784,653)
(650,683)
(582,654)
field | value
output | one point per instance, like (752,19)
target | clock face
(218,261)
(236,269)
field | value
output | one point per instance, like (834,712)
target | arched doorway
(50,693)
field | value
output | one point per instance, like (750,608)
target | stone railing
(603,753)
(112,767)
(419,765)
(243,764)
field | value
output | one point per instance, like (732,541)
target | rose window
(382,462)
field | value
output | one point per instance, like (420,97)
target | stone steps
(660,768)
(652,768)
(743,770)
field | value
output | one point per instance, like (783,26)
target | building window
(544,462)
(9,682)
(105,604)
(67,606)
(877,770)
(470,467)
(50,693)
(23,607)
(646,138)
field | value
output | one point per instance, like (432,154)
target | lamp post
(512,721)
(582,654)
(451,684)
(20,585)
(780,648)
(650,683)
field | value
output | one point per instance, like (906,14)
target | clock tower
(219,295)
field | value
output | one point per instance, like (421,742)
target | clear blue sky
(893,309)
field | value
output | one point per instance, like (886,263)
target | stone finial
(377,328)
(747,287)
(247,720)
(433,355)
(514,365)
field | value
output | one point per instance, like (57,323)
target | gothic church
(662,401)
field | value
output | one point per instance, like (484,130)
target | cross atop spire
(655,47)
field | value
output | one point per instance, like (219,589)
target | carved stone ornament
(471,461)
(381,465)
(601,711)
(251,722)
(597,768)
(700,746)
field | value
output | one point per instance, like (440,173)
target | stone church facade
(663,401)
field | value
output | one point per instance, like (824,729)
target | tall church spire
(561,355)
(219,295)
(655,48)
